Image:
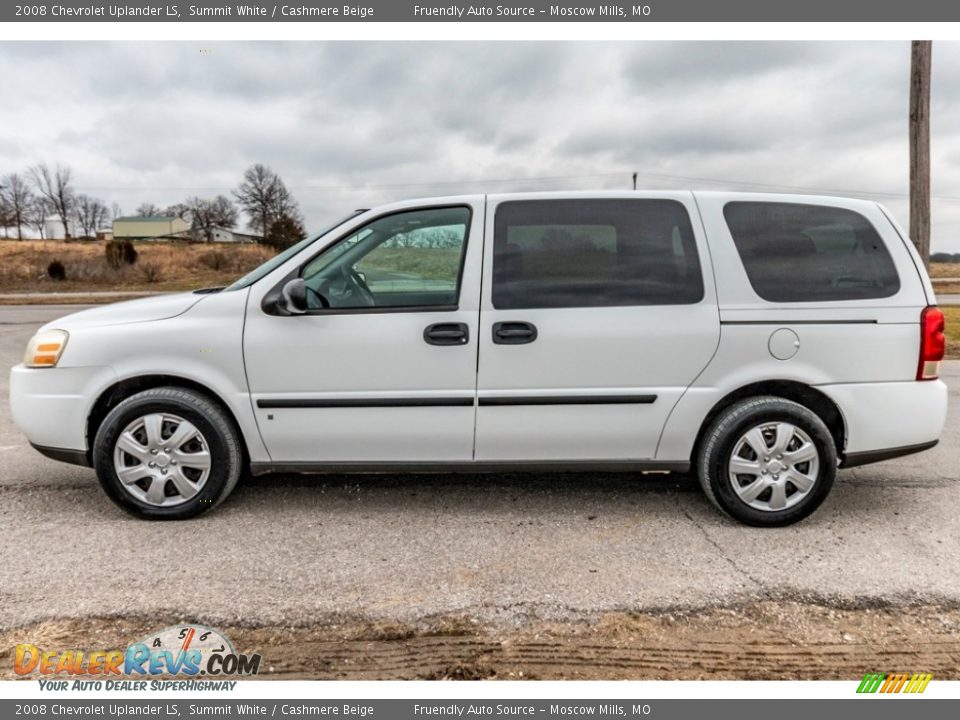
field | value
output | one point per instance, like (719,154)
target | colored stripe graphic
(871,682)
(918,683)
(894,683)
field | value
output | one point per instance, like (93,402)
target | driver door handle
(514,333)
(447,334)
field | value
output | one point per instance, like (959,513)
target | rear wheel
(767,461)
(167,453)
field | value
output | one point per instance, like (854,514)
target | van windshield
(280,258)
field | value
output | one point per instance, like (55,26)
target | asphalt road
(296,550)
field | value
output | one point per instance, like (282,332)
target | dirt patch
(766,640)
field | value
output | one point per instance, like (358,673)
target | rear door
(596,314)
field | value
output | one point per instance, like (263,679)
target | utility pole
(920,55)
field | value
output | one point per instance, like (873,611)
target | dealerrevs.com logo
(181,651)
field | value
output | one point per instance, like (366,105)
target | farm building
(225,235)
(149,228)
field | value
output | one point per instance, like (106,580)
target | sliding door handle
(447,334)
(514,333)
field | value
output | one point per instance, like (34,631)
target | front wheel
(167,453)
(767,461)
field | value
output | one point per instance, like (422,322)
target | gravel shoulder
(758,641)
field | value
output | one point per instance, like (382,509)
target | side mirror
(293,297)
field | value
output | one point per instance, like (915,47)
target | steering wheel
(354,291)
(356,279)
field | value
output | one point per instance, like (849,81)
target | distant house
(149,228)
(225,235)
(105,234)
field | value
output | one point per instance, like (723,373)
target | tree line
(944,257)
(29,198)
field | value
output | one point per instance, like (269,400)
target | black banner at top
(519,11)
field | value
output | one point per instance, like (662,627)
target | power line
(626,175)
(438,183)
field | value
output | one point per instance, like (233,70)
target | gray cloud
(355,124)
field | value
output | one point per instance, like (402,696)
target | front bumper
(51,405)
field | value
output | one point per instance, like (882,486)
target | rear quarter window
(810,253)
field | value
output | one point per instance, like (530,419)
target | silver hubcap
(774,466)
(162,459)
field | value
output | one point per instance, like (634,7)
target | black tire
(720,440)
(218,430)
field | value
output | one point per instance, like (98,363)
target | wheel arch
(122,389)
(801,393)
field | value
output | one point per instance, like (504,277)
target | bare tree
(287,207)
(148,209)
(205,215)
(6,214)
(17,196)
(264,198)
(920,61)
(91,215)
(55,186)
(179,210)
(116,211)
(37,213)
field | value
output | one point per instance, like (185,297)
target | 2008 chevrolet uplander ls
(761,341)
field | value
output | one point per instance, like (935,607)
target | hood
(130,311)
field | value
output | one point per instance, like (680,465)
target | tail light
(932,343)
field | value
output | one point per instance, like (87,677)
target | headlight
(45,348)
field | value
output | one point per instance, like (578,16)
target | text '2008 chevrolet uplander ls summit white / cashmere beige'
(760,341)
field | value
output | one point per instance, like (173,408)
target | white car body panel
(862,355)
(647,350)
(366,355)
(202,346)
(146,309)
(51,407)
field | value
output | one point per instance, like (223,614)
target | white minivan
(760,341)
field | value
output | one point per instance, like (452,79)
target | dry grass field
(952,313)
(166,266)
(945,270)
(170,266)
(159,266)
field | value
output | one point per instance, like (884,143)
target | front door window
(409,259)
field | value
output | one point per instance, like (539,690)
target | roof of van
(627,193)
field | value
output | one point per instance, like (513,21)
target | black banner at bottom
(872,708)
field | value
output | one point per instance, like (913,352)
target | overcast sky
(355,124)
